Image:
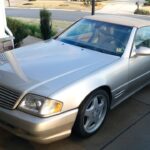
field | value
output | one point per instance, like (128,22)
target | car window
(142,37)
(96,35)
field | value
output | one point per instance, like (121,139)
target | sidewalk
(120,7)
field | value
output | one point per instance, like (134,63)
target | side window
(143,37)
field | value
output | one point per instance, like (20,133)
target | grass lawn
(31,28)
(144,10)
(55,4)
(57,24)
(147,8)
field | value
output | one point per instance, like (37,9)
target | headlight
(40,106)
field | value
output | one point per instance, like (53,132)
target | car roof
(132,20)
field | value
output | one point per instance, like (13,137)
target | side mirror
(142,51)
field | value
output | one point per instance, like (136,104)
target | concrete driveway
(127,127)
(120,7)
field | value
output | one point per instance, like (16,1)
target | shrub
(21,30)
(45,24)
(142,12)
(87,2)
(33,30)
(18,30)
(148,1)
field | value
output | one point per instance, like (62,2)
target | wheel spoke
(88,112)
(101,106)
(95,102)
(96,119)
(88,123)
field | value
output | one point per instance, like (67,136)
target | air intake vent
(8,97)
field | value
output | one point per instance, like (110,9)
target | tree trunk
(9,3)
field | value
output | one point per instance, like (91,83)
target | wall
(2,19)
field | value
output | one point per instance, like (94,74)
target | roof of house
(133,21)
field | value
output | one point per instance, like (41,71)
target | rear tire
(92,113)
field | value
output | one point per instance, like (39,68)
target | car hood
(48,66)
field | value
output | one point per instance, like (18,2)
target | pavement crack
(133,124)
(140,101)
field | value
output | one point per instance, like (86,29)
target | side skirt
(129,95)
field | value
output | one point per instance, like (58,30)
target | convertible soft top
(133,20)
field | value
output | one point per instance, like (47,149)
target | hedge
(142,12)
(21,30)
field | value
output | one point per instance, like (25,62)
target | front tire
(92,113)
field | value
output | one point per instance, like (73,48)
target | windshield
(96,35)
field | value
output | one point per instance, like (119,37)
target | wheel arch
(76,128)
(106,88)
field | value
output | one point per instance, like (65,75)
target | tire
(92,113)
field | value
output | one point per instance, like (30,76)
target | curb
(48,9)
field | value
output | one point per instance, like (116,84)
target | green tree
(45,24)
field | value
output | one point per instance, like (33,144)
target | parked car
(70,83)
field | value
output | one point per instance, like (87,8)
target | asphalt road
(113,7)
(126,128)
(56,14)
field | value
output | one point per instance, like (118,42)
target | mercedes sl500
(69,83)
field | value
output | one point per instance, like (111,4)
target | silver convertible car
(69,84)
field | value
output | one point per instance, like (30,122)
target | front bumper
(42,130)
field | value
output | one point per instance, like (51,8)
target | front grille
(8,97)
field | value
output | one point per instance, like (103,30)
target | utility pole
(93,7)
(138,5)
(9,3)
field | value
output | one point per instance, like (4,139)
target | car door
(139,66)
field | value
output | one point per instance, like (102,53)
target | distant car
(69,83)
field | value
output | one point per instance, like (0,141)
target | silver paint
(67,73)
